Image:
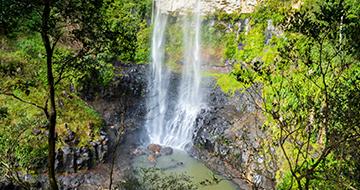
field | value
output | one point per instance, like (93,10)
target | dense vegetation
(48,49)
(306,63)
(301,57)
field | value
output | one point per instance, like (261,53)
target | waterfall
(158,80)
(168,123)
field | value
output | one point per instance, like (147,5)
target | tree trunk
(50,79)
(120,132)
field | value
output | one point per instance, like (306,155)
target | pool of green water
(181,163)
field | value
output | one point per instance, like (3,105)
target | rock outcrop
(72,158)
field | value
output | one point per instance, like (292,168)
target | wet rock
(165,151)
(154,148)
(103,133)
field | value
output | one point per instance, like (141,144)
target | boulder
(165,151)
(154,148)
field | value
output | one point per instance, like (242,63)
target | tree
(51,87)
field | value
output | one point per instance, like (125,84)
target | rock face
(228,137)
(207,6)
(124,97)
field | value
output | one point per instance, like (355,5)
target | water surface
(181,163)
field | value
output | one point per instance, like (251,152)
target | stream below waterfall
(181,162)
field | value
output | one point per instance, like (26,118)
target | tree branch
(24,101)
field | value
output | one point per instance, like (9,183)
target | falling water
(175,129)
(158,80)
(189,102)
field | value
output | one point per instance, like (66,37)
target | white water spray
(175,129)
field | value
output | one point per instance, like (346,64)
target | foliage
(127,23)
(10,22)
(307,76)
(143,44)
(23,137)
(70,40)
(85,38)
(21,150)
(228,83)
